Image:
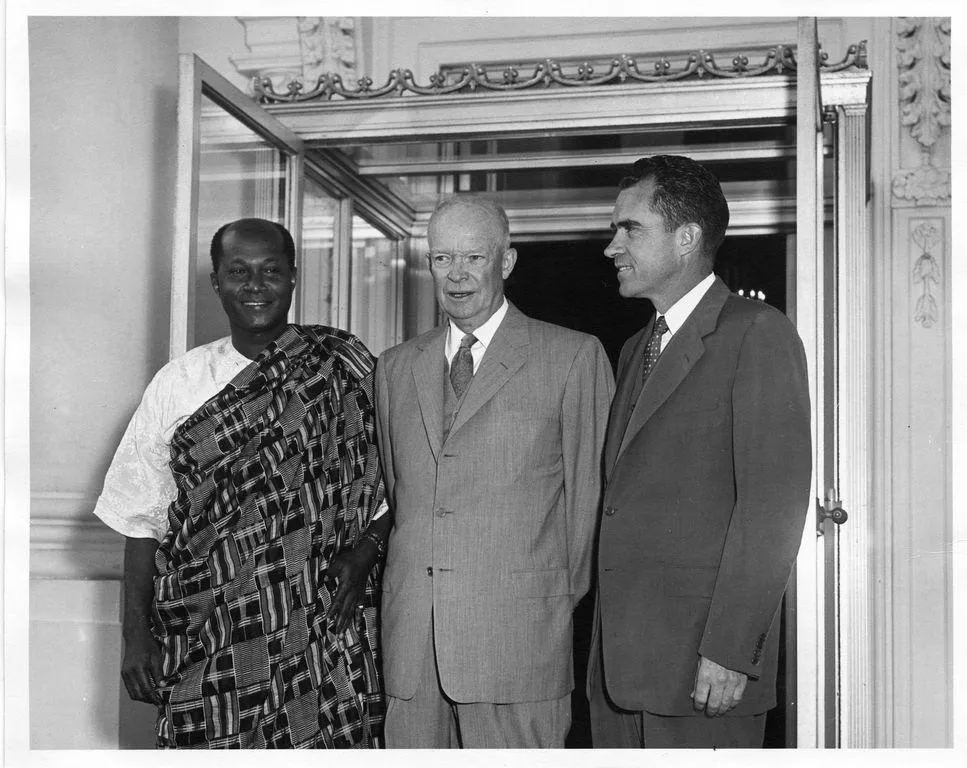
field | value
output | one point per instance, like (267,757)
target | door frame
(763,100)
(198,79)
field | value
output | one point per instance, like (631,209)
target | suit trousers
(615,728)
(431,720)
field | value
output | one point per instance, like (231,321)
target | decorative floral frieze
(923,47)
(924,185)
(926,271)
(468,78)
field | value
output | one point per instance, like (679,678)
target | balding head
(273,236)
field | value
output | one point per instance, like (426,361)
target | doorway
(571,283)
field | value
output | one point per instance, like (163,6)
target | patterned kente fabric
(275,474)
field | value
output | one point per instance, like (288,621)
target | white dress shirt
(679,312)
(484,335)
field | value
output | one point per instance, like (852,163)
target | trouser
(431,720)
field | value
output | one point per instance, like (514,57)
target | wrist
(373,544)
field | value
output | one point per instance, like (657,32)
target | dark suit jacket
(501,511)
(706,482)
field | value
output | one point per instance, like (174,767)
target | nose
(255,282)
(612,250)
(458,271)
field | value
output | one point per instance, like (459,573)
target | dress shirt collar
(485,333)
(679,312)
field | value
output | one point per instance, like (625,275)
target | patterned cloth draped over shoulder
(275,475)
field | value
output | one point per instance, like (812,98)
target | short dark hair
(684,191)
(256,229)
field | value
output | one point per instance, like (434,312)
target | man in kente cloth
(252,460)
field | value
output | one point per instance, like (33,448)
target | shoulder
(557,337)
(758,322)
(342,346)
(407,349)
(185,369)
(743,311)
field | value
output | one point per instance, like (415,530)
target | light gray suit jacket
(494,522)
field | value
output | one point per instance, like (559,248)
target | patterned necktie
(654,347)
(461,367)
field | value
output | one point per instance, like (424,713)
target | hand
(349,569)
(716,689)
(141,666)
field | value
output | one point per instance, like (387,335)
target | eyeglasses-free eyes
(446,260)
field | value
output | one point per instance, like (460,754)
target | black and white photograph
(491,378)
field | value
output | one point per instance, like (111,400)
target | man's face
(469,264)
(644,253)
(254,282)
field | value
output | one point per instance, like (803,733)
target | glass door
(235,160)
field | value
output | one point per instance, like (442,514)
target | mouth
(256,304)
(459,295)
(623,268)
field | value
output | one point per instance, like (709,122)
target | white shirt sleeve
(138,486)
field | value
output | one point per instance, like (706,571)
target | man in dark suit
(490,428)
(707,472)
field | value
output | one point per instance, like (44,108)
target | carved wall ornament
(923,47)
(924,185)
(298,49)
(468,78)
(328,44)
(926,271)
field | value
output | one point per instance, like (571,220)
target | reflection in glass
(317,263)
(374,306)
(240,175)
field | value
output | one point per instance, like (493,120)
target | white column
(854,371)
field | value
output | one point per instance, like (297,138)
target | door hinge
(830,509)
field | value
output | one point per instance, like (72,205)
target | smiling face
(650,260)
(469,262)
(254,282)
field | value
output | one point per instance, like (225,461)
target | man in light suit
(491,428)
(707,471)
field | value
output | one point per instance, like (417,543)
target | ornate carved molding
(298,49)
(923,61)
(926,271)
(923,47)
(924,185)
(468,78)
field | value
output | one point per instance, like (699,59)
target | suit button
(429,570)
(609,511)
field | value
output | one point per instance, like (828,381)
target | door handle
(830,509)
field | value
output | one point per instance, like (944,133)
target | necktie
(654,347)
(461,367)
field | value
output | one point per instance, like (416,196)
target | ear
(508,262)
(214,279)
(689,239)
(294,277)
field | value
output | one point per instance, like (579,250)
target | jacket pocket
(548,582)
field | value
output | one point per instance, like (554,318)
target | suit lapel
(505,355)
(624,398)
(678,358)
(428,373)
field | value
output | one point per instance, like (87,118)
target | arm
(351,567)
(772,464)
(141,663)
(584,419)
